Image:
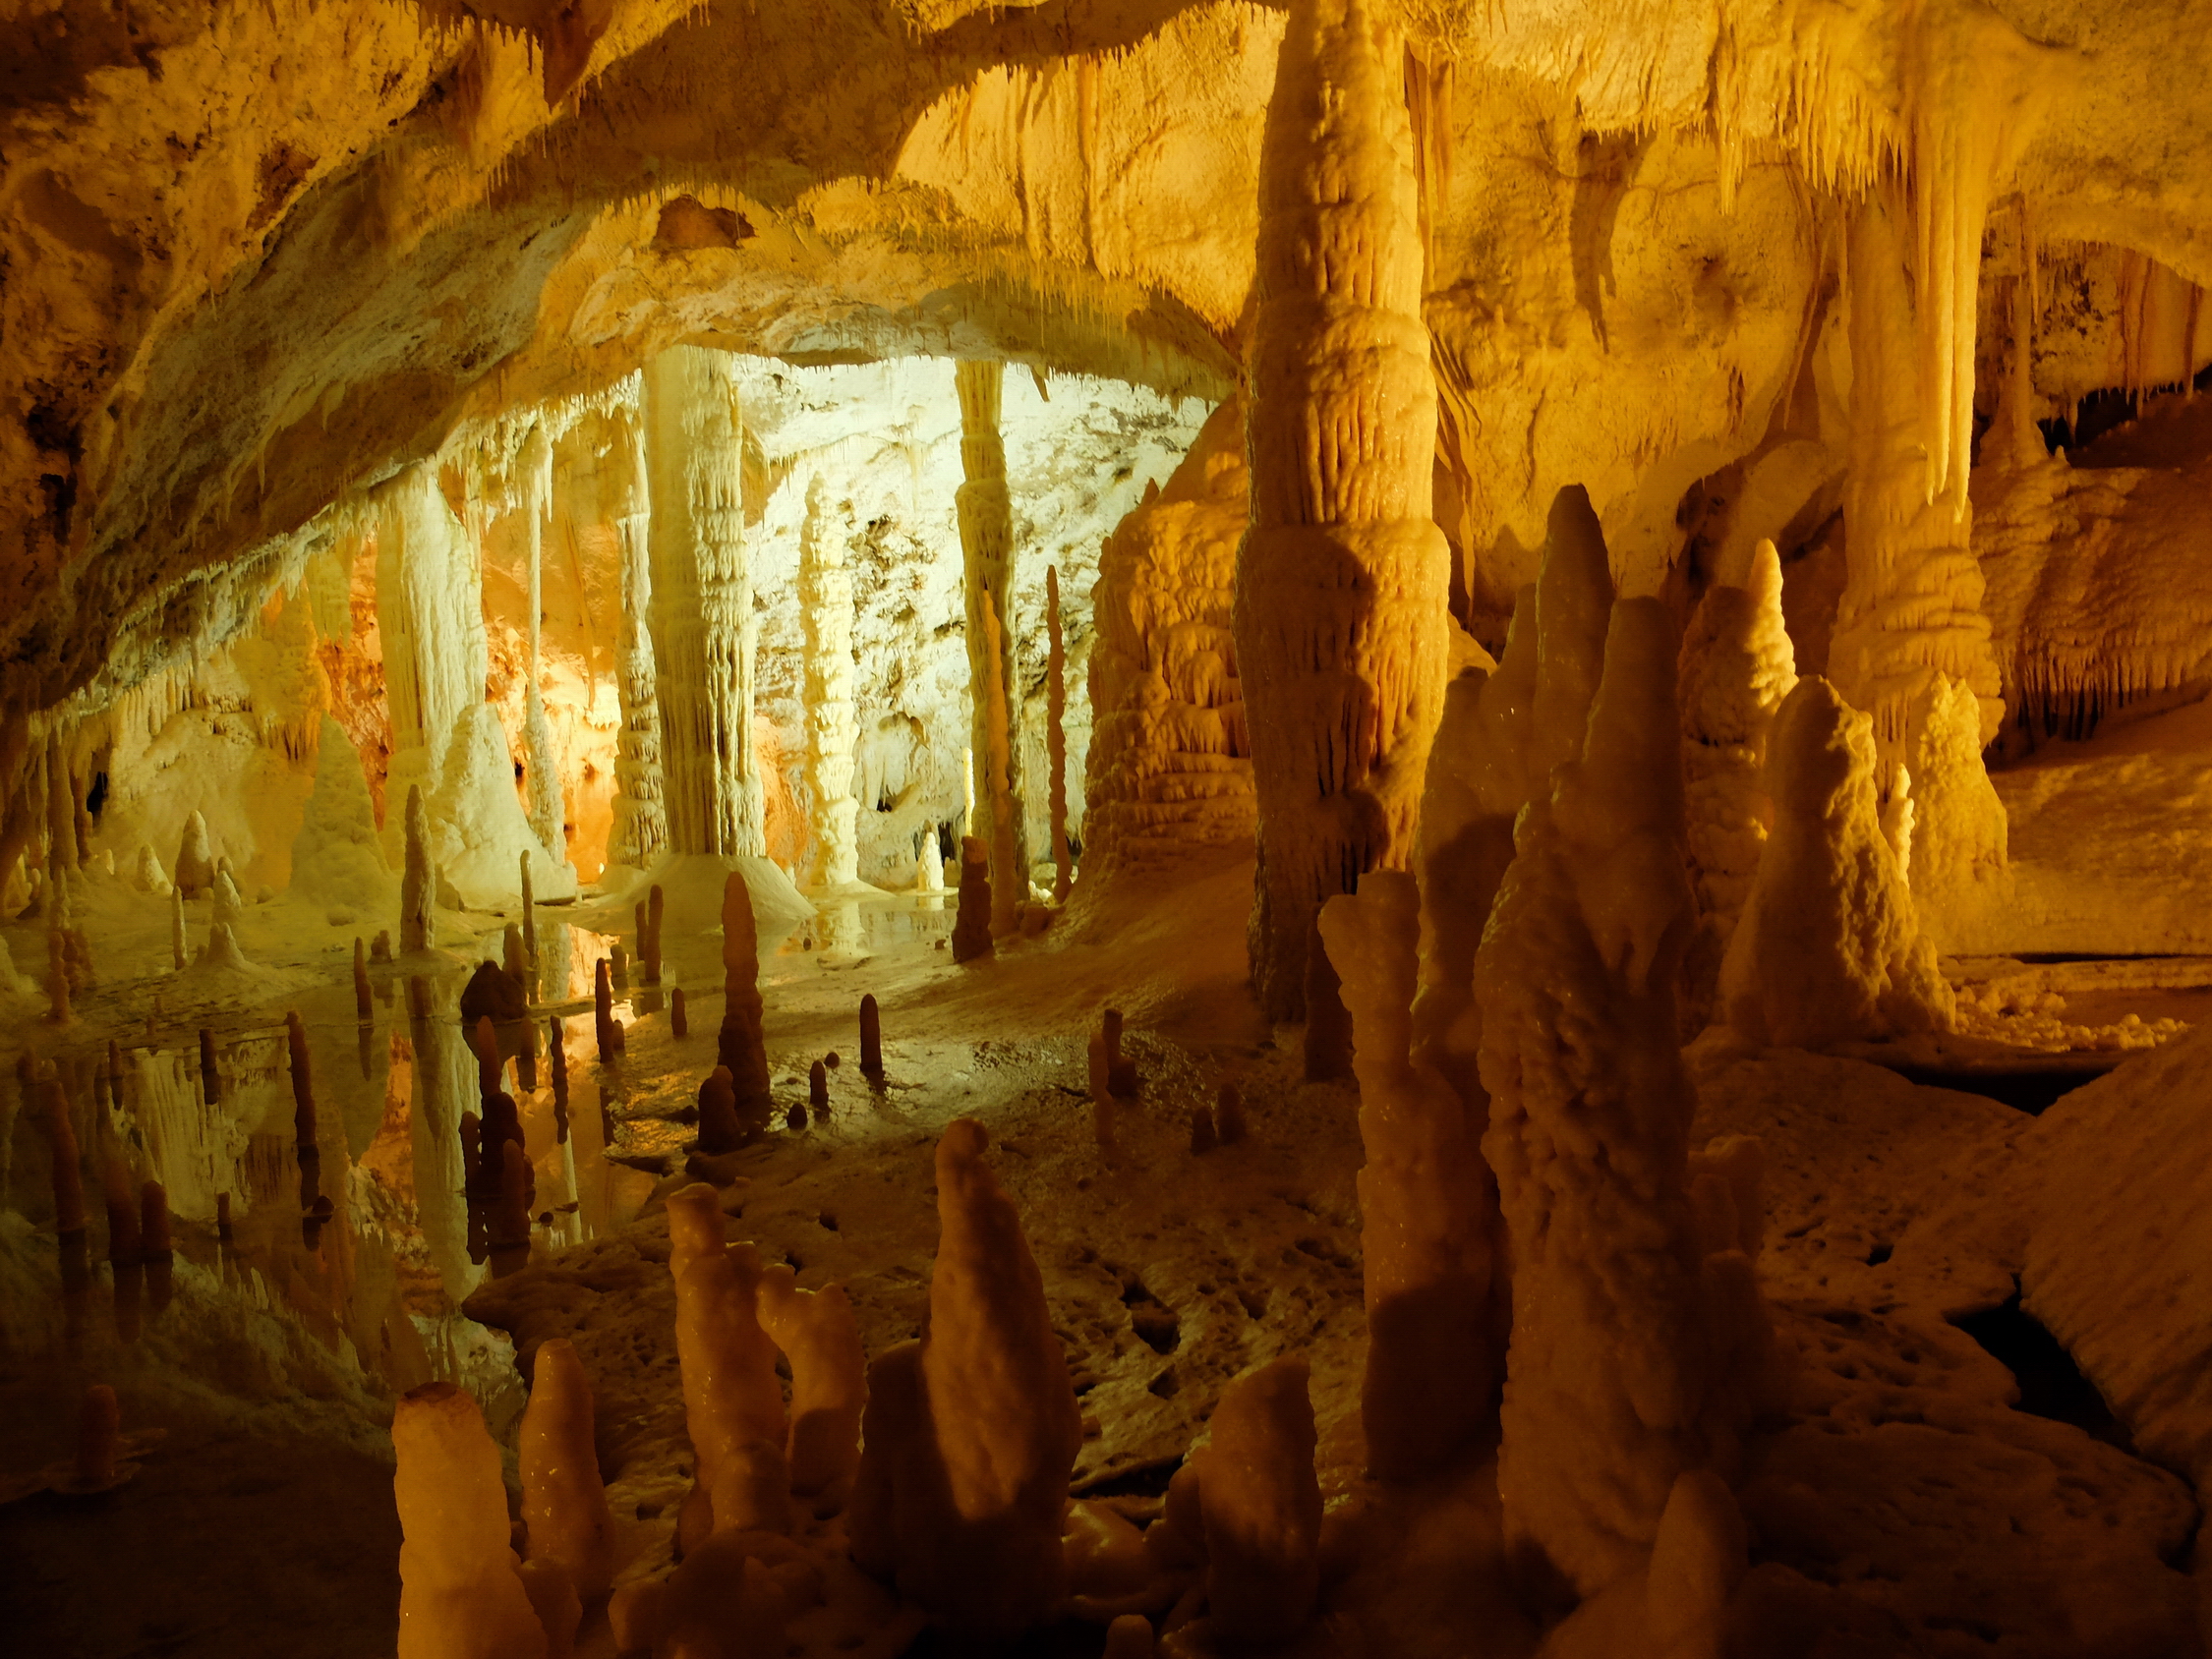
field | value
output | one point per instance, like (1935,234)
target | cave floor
(272,1356)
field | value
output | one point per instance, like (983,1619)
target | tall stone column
(986,515)
(702,606)
(832,725)
(641,826)
(541,763)
(1343,581)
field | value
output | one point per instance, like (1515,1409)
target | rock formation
(826,600)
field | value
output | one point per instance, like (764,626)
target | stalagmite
(1427,1212)
(1628,1363)
(337,860)
(986,524)
(229,906)
(461,1593)
(556,1047)
(619,965)
(196,859)
(971,1433)
(1957,860)
(1737,665)
(640,832)
(819,1337)
(738,1044)
(509,1226)
(178,956)
(529,910)
(929,865)
(720,1129)
(364,1010)
(871,1039)
(702,606)
(417,886)
(733,1404)
(1829,946)
(825,597)
(542,764)
(1263,1508)
(679,1024)
(1055,739)
(1342,582)
(971,927)
(563,1505)
(818,1088)
(604,1026)
(514,959)
(303,1082)
(649,949)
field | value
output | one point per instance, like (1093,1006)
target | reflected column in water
(444,1078)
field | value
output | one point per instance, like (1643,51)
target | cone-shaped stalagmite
(460,1585)
(1263,1508)
(1342,582)
(563,1504)
(971,1432)
(740,1044)
(733,1403)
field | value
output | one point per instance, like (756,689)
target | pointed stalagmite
(971,1432)
(196,859)
(563,1505)
(1263,1508)
(178,954)
(871,1039)
(971,926)
(1589,1116)
(1056,738)
(702,604)
(733,1403)
(460,1586)
(739,1044)
(680,1023)
(1342,582)
(818,1088)
(1428,1211)
(719,1129)
(1829,946)
(604,1026)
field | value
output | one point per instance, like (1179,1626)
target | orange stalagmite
(461,1593)
(733,1403)
(563,1504)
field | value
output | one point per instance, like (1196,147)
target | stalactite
(986,520)
(640,833)
(702,606)
(1343,580)
(825,599)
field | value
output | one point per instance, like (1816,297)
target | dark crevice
(2051,1385)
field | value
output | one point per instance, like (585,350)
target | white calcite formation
(1170,761)
(1829,946)
(1341,582)
(702,606)
(542,768)
(639,831)
(832,728)
(417,883)
(1737,665)
(971,1433)
(986,523)
(338,858)
(1632,1350)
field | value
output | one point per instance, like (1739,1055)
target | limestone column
(1343,580)
(832,725)
(702,606)
(986,516)
(429,619)
(641,826)
(540,762)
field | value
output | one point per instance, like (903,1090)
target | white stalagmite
(986,520)
(640,832)
(1342,580)
(971,1432)
(702,606)
(541,759)
(337,860)
(1427,1217)
(417,883)
(445,737)
(196,859)
(1955,854)
(1736,666)
(1828,946)
(1628,1362)
(460,1585)
(832,725)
